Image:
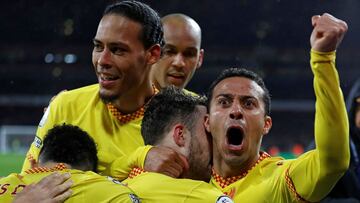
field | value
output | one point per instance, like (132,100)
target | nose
(104,58)
(178,60)
(236,112)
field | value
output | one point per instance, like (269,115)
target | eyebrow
(174,47)
(112,43)
(228,96)
(96,41)
(169,46)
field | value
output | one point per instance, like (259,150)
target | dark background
(267,36)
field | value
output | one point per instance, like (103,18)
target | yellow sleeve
(315,173)
(47,122)
(122,166)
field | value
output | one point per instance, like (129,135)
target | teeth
(108,77)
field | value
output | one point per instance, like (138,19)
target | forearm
(315,173)
(331,122)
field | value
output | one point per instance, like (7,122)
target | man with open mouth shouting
(239,116)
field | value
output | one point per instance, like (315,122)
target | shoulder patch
(37,142)
(45,116)
(115,180)
(134,198)
(224,199)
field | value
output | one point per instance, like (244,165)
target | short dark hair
(69,144)
(152,30)
(169,106)
(241,72)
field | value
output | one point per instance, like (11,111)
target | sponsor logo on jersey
(224,199)
(37,142)
(134,198)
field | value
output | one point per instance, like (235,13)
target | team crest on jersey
(134,198)
(37,142)
(45,116)
(224,199)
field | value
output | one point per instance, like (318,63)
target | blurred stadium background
(47,48)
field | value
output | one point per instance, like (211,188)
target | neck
(153,79)
(133,100)
(230,168)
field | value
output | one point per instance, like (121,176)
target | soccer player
(175,119)
(68,149)
(127,43)
(182,53)
(239,116)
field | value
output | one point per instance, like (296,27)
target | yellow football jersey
(311,176)
(158,188)
(87,187)
(116,142)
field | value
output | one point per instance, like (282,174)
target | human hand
(328,32)
(166,161)
(51,189)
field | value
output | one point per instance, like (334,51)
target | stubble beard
(196,171)
(108,98)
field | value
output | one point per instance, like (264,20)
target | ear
(207,123)
(201,58)
(179,135)
(267,125)
(153,54)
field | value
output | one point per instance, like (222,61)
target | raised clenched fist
(328,32)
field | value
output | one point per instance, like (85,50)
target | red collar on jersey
(223,182)
(57,167)
(125,118)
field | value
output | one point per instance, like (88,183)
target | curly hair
(71,145)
